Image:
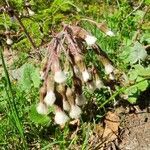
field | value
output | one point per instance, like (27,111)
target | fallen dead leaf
(98,129)
(112,122)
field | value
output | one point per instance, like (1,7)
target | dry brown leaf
(112,122)
(98,129)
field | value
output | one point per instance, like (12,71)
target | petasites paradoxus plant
(66,56)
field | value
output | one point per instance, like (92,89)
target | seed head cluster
(66,55)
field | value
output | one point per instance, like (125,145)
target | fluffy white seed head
(80,100)
(75,112)
(50,98)
(59,76)
(31,13)
(66,105)
(41,75)
(42,108)
(109,68)
(90,40)
(86,75)
(92,86)
(110,33)
(111,76)
(99,84)
(9,41)
(60,117)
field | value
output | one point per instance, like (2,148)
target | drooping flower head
(66,105)
(110,33)
(105,29)
(9,41)
(82,67)
(108,68)
(50,95)
(42,108)
(80,100)
(86,75)
(59,75)
(60,117)
(50,98)
(90,40)
(75,112)
(98,82)
(31,12)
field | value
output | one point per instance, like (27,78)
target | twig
(122,89)
(24,29)
(26,32)
(135,9)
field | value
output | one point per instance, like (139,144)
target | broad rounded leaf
(142,86)
(137,53)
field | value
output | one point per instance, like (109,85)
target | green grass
(20,126)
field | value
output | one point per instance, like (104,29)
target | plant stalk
(11,102)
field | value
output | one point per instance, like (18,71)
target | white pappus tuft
(75,112)
(80,100)
(50,98)
(92,86)
(109,68)
(41,75)
(86,75)
(9,41)
(110,33)
(59,76)
(42,108)
(90,40)
(99,84)
(31,13)
(60,117)
(111,76)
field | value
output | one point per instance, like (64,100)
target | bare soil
(126,127)
(136,132)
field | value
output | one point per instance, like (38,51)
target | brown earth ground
(125,128)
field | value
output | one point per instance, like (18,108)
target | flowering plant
(70,46)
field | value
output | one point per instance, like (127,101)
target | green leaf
(141,71)
(142,86)
(30,77)
(145,37)
(139,13)
(36,78)
(137,53)
(132,100)
(145,72)
(26,80)
(147,2)
(131,90)
(124,55)
(37,118)
(133,74)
